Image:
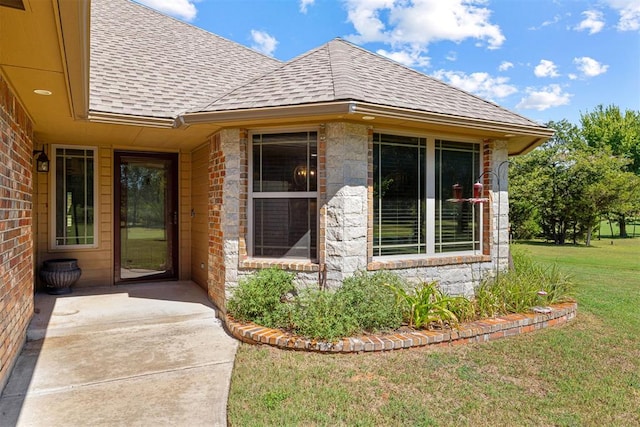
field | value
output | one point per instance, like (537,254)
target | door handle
(175,218)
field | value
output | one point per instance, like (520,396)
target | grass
(584,373)
(144,248)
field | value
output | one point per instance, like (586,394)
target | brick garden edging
(473,332)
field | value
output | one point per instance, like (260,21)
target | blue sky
(545,59)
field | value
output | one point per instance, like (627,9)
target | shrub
(322,315)
(261,298)
(368,299)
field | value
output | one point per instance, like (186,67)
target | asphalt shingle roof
(340,71)
(144,63)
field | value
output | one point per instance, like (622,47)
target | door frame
(172,219)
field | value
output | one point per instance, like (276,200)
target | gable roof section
(144,63)
(341,71)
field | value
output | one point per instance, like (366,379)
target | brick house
(176,154)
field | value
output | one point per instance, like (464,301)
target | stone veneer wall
(345,210)
(346,201)
(16,235)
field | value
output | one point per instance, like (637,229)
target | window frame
(430,193)
(250,237)
(53,241)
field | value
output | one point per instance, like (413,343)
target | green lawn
(584,373)
(144,248)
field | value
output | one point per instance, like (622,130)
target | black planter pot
(60,274)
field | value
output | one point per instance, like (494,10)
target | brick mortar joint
(478,331)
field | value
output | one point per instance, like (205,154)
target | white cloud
(505,65)
(593,21)
(547,97)
(304,4)
(481,84)
(421,22)
(263,42)
(629,11)
(452,56)
(181,9)
(589,67)
(546,68)
(406,57)
(555,20)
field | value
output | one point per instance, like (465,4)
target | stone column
(500,204)
(345,201)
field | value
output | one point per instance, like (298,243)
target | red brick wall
(16,239)
(216,238)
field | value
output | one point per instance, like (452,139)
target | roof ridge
(262,76)
(343,56)
(333,75)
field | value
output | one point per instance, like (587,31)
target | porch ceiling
(46,47)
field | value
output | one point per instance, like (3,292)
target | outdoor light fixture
(42,161)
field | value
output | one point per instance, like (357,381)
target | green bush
(383,300)
(261,298)
(322,315)
(369,300)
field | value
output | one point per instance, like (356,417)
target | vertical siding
(96,263)
(185,172)
(199,204)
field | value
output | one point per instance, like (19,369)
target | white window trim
(52,199)
(430,188)
(276,194)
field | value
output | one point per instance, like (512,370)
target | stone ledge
(473,332)
(427,262)
(256,264)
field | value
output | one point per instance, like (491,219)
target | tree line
(588,172)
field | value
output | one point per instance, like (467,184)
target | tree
(562,188)
(609,127)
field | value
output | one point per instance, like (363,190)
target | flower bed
(472,332)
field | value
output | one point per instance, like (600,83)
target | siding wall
(199,220)
(97,263)
(16,235)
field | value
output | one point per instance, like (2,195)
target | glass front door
(146,243)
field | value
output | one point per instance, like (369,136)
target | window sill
(291,265)
(434,261)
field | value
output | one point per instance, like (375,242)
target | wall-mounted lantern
(42,161)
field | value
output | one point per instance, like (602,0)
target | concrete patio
(134,355)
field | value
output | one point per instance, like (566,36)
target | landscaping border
(472,332)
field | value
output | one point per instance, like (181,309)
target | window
(284,195)
(457,222)
(405,221)
(74,196)
(399,167)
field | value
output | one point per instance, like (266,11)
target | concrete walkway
(136,355)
